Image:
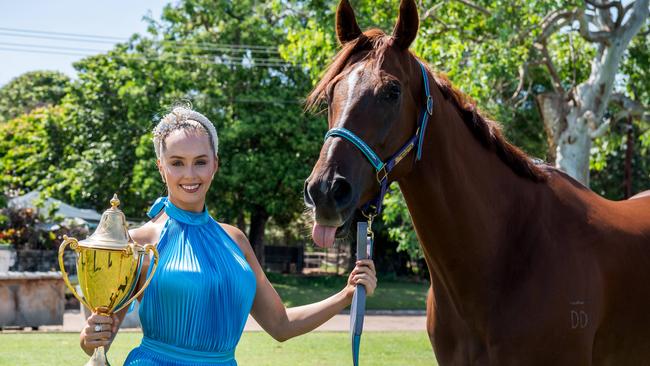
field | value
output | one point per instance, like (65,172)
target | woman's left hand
(363,274)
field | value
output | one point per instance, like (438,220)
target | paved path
(73,321)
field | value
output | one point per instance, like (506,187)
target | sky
(23,46)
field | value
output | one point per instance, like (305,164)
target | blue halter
(384,168)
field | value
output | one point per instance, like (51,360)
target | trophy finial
(115,201)
(112,231)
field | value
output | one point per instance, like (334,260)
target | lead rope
(365,238)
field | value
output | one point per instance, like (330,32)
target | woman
(208,278)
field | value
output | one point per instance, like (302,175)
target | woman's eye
(201,162)
(177,163)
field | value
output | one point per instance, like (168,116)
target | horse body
(528,267)
(521,268)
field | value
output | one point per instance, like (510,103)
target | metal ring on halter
(98,328)
(430,105)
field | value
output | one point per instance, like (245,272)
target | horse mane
(485,130)
(488,132)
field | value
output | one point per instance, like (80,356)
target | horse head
(374,90)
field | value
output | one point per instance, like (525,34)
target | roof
(67,211)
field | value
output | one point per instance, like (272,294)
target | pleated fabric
(196,306)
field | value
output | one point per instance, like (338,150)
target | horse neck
(467,206)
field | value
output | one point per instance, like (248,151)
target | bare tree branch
(444,24)
(627,8)
(603,10)
(475,7)
(432,10)
(522,100)
(574,67)
(600,130)
(630,107)
(555,21)
(523,75)
(605,5)
(523,70)
(637,17)
(591,36)
(556,81)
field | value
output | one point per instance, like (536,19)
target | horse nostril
(306,196)
(341,192)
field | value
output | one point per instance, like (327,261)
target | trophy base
(98,358)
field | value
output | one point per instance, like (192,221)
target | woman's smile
(190,188)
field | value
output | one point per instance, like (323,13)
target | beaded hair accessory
(181,118)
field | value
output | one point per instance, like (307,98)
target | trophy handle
(145,248)
(74,244)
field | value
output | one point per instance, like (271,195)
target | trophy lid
(112,232)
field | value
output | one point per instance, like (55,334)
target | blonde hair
(183,118)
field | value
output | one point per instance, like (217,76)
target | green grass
(392,294)
(255,348)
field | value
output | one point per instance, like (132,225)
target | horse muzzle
(332,202)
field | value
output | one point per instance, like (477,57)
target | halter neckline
(178,214)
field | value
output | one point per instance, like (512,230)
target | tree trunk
(572,118)
(551,107)
(241,222)
(629,153)
(259,218)
(573,148)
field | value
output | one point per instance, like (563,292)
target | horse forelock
(373,41)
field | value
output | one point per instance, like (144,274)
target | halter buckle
(430,105)
(383,173)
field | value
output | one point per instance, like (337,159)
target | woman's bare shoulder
(238,236)
(150,231)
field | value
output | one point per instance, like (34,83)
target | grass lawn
(393,294)
(255,348)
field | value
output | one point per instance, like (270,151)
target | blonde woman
(208,279)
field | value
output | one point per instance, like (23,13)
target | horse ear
(407,25)
(347,28)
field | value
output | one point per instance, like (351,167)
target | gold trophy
(108,268)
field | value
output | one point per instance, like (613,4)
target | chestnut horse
(528,267)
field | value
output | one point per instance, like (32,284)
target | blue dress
(196,306)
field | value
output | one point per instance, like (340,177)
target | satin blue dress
(196,306)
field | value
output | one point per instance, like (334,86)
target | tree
(31,90)
(32,150)
(620,165)
(483,45)
(253,97)
(222,57)
(573,113)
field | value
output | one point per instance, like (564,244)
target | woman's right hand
(98,332)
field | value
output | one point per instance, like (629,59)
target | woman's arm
(282,323)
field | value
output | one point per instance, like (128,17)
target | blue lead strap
(358,309)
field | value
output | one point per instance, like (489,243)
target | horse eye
(391,91)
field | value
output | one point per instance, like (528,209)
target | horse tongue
(323,235)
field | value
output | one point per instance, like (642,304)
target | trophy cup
(108,268)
